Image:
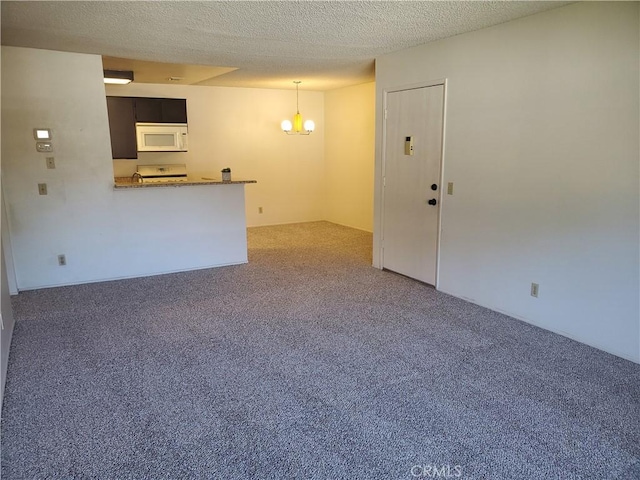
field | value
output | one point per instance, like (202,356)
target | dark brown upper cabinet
(161,110)
(124,112)
(122,126)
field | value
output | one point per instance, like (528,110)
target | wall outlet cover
(534,290)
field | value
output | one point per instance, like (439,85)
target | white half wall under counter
(177,229)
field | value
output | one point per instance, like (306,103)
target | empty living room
(346,239)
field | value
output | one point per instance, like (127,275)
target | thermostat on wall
(42,133)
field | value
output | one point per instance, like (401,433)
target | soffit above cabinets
(169,73)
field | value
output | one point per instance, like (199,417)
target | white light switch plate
(44,147)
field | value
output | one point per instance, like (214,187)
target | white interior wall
(239,128)
(104,233)
(349,155)
(58,91)
(542,144)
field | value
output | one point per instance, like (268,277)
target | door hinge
(385,113)
(384,181)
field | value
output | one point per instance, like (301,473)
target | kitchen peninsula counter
(164,230)
(128,183)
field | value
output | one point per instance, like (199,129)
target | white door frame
(385,92)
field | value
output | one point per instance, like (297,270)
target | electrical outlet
(450,188)
(259,209)
(62,260)
(534,290)
(51,163)
(42,188)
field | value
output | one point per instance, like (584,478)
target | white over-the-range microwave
(162,137)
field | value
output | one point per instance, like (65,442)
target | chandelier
(297,127)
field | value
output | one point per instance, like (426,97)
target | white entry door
(412,189)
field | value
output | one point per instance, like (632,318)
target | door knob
(432,201)
(434,187)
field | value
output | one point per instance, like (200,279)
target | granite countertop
(127,182)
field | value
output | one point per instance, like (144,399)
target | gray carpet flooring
(306,363)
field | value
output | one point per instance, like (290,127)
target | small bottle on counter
(226,174)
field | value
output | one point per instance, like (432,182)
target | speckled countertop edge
(127,183)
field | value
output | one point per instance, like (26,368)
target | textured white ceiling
(326,44)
